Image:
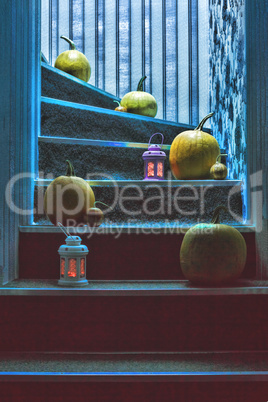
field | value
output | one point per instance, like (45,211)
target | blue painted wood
(256,126)
(20,82)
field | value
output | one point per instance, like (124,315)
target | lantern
(154,160)
(72,261)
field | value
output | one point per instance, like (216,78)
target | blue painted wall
(227,62)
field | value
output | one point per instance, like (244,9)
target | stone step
(60,85)
(72,120)
(42,317)
(117,253)
(164,203)
(230,376)
(94,159)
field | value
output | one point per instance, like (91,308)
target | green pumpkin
(218,171)
(213,253)
(73,62)
(140,102)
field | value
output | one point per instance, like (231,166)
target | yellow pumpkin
(218,171)
(140,102)
(73,62)
(68,198)
(213,253)
(193,152)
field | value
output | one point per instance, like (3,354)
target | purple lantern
(154,160)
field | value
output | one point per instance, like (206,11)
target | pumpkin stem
(140,84)
(116,101)
(216,213)
(70,169)
(69,41)
(99,202)
(220,156)
(202,122)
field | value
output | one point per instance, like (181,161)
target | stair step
(93,161)
(34,287)
(166,203)
(243,388)
(144,321)
(73,120)
(144,254)
(186,367)
(60,85)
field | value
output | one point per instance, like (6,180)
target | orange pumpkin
(192,153)
(120,108)
(68,198)
(213,253)
(94,217)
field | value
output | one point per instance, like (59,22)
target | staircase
(138,331)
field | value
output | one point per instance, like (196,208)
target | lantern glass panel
(82,268)
(62,267)
(72,271)
(150,169)
(160,169)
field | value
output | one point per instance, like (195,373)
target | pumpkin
(140,102)
(120,108)
(193,152)
(68,198)
(73,62)
(213,253)
(94,217)
(218,171)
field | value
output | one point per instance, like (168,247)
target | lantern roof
(154,151)
(73,240)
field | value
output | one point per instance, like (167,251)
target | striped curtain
(166,40)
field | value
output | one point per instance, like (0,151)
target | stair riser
(126,390)
(152,203)
(58,85)
(121,324)
(141,256)
(95,162)
(62,121)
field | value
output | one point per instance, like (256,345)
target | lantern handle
(152,137)
(65,231)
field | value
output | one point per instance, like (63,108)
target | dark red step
(134,391)
(134,377)
(145,322)
(128,257)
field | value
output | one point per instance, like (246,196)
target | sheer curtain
(166,40)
